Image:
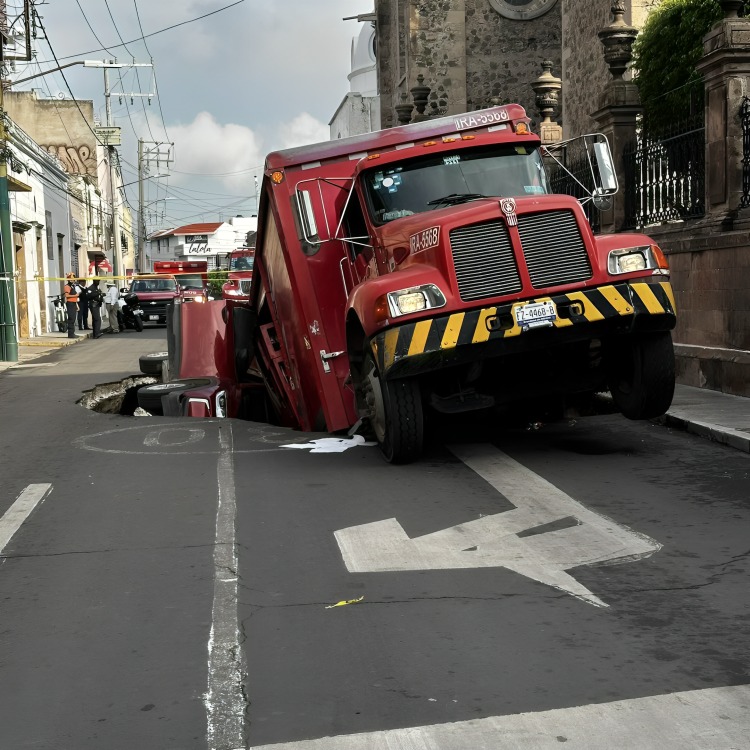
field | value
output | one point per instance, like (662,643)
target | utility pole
(116,248)
(149,152)
(8,332)
(141,220)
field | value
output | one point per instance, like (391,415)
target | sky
(251,78)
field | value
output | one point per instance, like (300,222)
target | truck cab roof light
(429,143)
(522,128)
(277,177)
(373,156)
(468,137)
(450,139)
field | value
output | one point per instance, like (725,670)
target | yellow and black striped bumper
(451,339)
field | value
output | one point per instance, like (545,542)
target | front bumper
(426,345)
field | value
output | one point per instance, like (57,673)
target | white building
(211,241)
(41,220)
(359,112)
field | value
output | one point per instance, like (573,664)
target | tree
(216,279)
(665,54)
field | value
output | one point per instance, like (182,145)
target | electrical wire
(156,87)
(160,31)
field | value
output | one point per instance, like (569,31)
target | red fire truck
(431,266)
(190,275)
(237,286)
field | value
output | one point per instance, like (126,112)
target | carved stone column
(619,106)
(421,94)
(725,67)
(547,89)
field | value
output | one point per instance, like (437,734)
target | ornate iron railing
(745,120)
(665,175)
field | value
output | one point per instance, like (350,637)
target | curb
(724,435)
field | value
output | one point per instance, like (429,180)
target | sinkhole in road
(120,397)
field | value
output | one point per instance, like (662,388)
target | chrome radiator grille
(484,261)
(553,248)
(245,285)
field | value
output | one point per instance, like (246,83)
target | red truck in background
(237,286)
(430,266)
(191,277)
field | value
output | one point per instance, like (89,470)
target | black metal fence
(745,120)
(665,175)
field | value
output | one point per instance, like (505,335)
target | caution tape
(34,279)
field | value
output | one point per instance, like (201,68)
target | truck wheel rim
(374,399)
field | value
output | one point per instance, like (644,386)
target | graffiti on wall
(75,159)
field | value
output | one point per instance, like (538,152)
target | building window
(50,246)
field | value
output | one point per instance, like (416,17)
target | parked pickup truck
(156,295)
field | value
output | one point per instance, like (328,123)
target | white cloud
(205,146)
(303,129)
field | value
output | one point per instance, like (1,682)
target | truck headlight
(414,299)
(642,258)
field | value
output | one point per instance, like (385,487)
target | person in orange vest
(71,292)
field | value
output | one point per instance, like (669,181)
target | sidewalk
(710,414)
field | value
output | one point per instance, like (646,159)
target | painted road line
(20,511)
(224,699)
(713,719)
(516,539)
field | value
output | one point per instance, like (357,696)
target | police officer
(71,292)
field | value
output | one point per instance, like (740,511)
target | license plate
(153,317)
(536,314)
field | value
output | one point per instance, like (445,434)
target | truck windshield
(243,263)
(440,180)
(188,281)
(154,285)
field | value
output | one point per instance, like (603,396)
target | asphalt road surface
(180,585)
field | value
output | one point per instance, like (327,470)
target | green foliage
(664,58)
(216,279)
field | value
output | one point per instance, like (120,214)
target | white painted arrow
(494,541)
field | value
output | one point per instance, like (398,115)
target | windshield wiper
(455,198)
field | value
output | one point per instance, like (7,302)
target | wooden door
(22,292)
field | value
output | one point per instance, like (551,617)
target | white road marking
(169,436)
(494,541)
(20,511)
(713,719)
(224,699)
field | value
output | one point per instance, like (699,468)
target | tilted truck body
(430,266)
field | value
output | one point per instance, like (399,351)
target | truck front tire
(641,374)
(395,414)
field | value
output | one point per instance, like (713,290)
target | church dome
(363,78)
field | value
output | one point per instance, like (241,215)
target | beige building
(58,127)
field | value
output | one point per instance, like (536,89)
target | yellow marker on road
(345,602)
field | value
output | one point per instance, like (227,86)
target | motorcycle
(61,313)
(130,314)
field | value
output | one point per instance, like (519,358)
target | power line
(156,87)
(154,33)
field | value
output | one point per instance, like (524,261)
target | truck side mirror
(605,166)
(308,225)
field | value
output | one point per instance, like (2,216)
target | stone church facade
(475,53)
